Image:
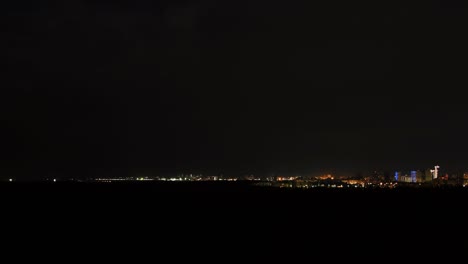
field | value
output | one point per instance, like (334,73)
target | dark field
(432,204)
(257,219)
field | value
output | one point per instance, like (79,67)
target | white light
(10,180)
(55,180)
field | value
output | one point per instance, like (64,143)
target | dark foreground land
(241,217)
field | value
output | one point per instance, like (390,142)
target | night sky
(98,88)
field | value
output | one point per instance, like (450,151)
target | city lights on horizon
(375,179)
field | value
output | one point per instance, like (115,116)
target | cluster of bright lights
(287,178)
(144,179)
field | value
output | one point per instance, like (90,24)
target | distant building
(435,172)
(408,177)
(413,175)
(428,176)
(405,178)
(420,177)
(397,175)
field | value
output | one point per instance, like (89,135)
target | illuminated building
(405,178)
(408,177)
(413,176)
(435,172)
(428,176)
(397,175)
